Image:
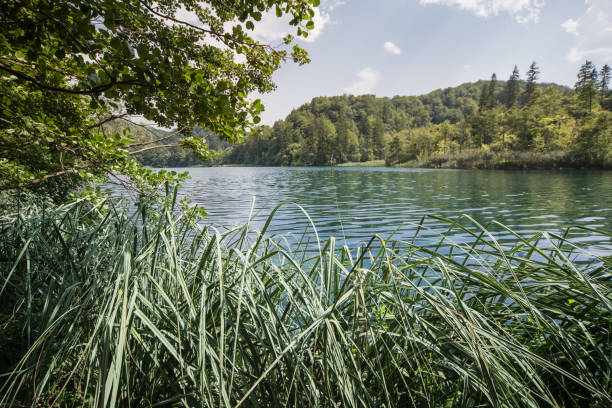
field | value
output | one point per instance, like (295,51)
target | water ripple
(354,203)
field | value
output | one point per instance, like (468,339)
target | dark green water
(354,203)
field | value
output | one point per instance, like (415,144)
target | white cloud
(392,48)
(272,28)
(592,33)
(467,66)
(524,11)
(368,79)
(320,20)
(571,26)
(335,3)
(580,55)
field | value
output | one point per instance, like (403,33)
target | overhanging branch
(90,91)
(153,148)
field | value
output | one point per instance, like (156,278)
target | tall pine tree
(532,77)
(586,86)
(487,94)
(483,101)
(604,82)
(512,89)
(491,100)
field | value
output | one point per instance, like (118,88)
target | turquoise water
(354,203)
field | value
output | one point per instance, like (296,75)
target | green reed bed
(98,308)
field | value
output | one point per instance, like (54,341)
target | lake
(354,203)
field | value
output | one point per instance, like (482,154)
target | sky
(412,47)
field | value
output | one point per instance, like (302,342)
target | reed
(103,307)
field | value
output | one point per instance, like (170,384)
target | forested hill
(450,104)
(482,124)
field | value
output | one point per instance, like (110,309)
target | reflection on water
(354,203)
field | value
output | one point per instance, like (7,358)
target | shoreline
(477,160)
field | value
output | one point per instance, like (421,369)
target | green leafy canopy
(68,67)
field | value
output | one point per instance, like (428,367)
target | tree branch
(16,144)
(108,119)
(46,177)
(98,89)
(205,31)
(156,140)
(153,148)
(24,64)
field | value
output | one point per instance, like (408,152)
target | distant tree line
(454,127)
(162,148)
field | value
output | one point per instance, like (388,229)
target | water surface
(354,203)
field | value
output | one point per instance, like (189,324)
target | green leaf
(124,60)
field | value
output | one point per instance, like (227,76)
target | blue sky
(411,47)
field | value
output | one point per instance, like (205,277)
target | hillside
(484,119)
(484,124)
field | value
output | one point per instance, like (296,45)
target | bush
(504,160)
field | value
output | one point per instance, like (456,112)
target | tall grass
(101,308)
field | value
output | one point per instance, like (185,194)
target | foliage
(488,159)
(446,127)
(532,78)
(68,67)
(604,83)
(512,89)
(586,87)
(488,99)
(102,307)
(162,148)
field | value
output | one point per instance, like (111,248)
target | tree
(594,139)
(378,138)
(547,125)
(487,94)
(586,86)
(604,82)
(395,153)
(446,137)
(69,67)
(491,101)
(324,134)
(486,126)
(483,101)
(532,78)
(512,89)
(347,142)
